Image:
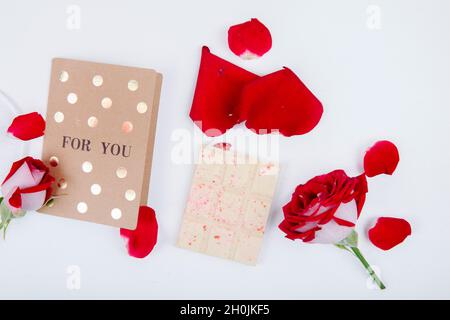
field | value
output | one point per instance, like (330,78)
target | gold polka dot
(97,80)
(63,76)
(141,107)
(96,189)
(82,207)
(133,85)
(116,213)
(106,103)
(72,98)
(86,167)
(121,172)
(130,195)
(62,184)
(59,117)
(127,127)
(53,161)
(92,122)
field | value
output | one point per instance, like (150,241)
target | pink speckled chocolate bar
(228,205)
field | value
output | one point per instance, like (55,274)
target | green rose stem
(351,245)
(5,217)
(369,269)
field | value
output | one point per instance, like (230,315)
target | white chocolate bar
(228,205)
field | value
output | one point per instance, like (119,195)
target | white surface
(391,83)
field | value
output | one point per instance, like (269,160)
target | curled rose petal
(250,39)
(27,126)
(217,93)
(279,102)
(389,232)
(381,158)
(140,242)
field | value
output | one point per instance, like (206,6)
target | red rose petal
(389,232)
(27,126)
(250,39)
(16,199)
(217,93)
(279,101)
(140,242)
(381,158)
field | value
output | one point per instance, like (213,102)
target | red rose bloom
(325,209)
(27,186)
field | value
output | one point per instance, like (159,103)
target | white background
(389,83)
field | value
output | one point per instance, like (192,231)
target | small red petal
(217,93)
(389,232)
(16,199)
(140,242)
(279,102)
(381,158)
(343,222)
(27,126)
(250,39)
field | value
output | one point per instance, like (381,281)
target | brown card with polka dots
(98,143)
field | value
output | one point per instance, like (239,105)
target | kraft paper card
(228,205)
(98,143)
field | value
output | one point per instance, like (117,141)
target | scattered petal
(27,126)
(279,102)
(249,40)
(389,232)
(217,93)
(140,242)
(381,158)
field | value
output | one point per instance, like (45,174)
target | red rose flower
(325,209)
(27,186)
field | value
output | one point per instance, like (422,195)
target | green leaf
(350,241)
(5,213)
(6,216)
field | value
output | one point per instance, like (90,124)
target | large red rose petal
(250,39)
(389,232)
(27,126)
(140,242)
(279,102)
(381,158)
(217,93)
